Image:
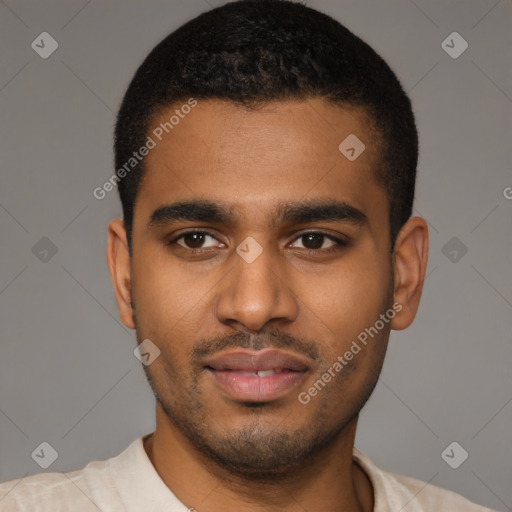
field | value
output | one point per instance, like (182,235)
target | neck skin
(331,482)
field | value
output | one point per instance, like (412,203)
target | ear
(410,263)
(118,259)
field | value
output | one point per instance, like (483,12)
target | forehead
(254,160)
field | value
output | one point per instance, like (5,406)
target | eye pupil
(194,240)
(316,240)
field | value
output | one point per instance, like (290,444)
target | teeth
(265,373)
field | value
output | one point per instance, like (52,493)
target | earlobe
(118,259)
(410,262)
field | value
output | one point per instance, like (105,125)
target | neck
(330,481)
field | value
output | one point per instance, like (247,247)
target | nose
(257,292)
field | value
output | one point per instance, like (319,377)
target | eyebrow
(291,212)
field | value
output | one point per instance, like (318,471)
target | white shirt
(128,482)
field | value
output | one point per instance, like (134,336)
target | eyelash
(339,243)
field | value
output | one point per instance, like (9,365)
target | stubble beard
(256,451)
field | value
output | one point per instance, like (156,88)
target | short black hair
(255,51)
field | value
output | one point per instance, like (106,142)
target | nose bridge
(254,292)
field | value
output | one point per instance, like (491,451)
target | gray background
(68,375)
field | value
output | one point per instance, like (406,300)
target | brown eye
(195,240)
(315,241)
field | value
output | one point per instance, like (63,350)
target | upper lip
(254,361)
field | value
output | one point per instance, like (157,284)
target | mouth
(261,376)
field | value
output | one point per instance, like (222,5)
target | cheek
(349,297)
(165,293)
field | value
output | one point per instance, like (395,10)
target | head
(243,112)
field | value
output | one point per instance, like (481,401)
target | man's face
(197,298)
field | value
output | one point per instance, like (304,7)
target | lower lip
(252,388)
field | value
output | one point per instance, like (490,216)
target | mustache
(259,341)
